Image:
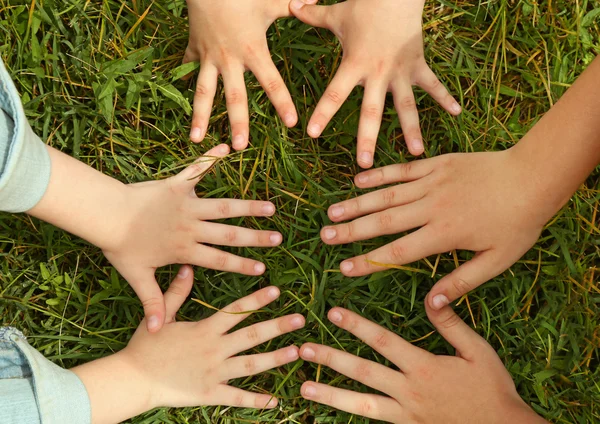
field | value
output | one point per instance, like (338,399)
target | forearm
(564,147)
(83,201)
(115,389)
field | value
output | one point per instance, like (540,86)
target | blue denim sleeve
(34,390)
(24,161)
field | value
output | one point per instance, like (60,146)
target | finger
(211,258)
(377,201)
(178,292)
(151,296)
(404,100)
(229,235)
(238,398)
(257,334)
(398,173)
(206,88)
(317,16)
(402,353)
(390,221)
(334,96)
(190,176)
(210,209)
(269,78)
(429,82)
(235,313)
(413,247)
(366,372)
(244,366)
(468,344)
(370,122)
(237,105)
(367,405)
(483,267)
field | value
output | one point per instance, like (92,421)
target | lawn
(100,80)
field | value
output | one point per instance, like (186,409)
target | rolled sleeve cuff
(59,394)
(25,176)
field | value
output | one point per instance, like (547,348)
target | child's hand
(489,203)
(168,224)
(189,363)
(383,51)
(228,37)
(471,387)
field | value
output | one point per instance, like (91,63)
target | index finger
(238,311)
(393,347)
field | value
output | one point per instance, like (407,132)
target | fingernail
(268,209)
(153,323)
(337,211)
(275,239)
(196,134)
(439,301)
(290,119)
(366,159)
(297,4)
(329,234)
(417,145)
(308,353)
(362,178)
(347,266)
(297,322)
(272,403)
(239,141)
(335,316)
(309,391)
(259,268)
(314,130)
(183,272)
(273,293)
(456,108)
(292,353)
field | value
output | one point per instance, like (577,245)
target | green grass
(97,82)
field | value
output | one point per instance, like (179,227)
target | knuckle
(222,261)
(435,84)
(201,90)
(460,285)
(231,236)
(384,221)
(238,400)
(389,197)
(333,96)
(350,230)
(249,365)
(407,103)
(450,321)
(151,303)
(252,334)
(363,371)
(397,252)
(328,358)
(236,308)
(182,254)
(406,169)
(371,111)
(381,340)
(273,86)
(224,209)
(234,96)
(366,407)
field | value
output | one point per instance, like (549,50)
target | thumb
(317,16)
(191,175)
(452,328)
(151,296)
(483,267)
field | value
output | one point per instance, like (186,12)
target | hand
(383,51)
(485,202)
(472,387)
(168,224)
(228,37)
(188,363)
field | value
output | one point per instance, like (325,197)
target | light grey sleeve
(24,160)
